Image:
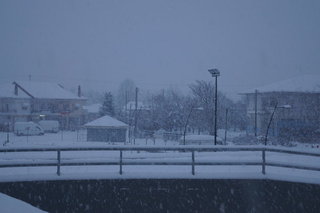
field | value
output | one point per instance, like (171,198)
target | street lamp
(287,106)
(215,73)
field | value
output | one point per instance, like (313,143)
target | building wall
(15,105)
(68,112)
(107,134)
(56,105)
(303,114)
(12,110)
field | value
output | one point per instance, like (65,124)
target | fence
(58,163)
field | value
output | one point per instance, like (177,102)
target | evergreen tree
(107,106)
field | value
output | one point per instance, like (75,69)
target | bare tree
(203,91)
(126,93)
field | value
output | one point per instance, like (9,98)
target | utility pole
(126,106)
(269,124)
(135,117)
(226,127)
(130,124)
(8,129)
(126,114)
(255,112)
(215,111)
(272,115)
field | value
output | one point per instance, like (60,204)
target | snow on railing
(157,149)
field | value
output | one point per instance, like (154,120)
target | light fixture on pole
(215,73)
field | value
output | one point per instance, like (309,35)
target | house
(14,106)
(106,129)
(298,121)
(34,101)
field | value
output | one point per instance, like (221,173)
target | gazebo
(106,129)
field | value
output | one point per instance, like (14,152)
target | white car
(27,128)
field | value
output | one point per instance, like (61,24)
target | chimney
(79,91)
(15,89)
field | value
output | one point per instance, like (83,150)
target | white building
(299,121)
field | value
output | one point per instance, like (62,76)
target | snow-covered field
(76,139)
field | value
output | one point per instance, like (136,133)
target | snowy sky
(159,43)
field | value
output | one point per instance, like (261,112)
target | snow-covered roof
(106,121)
(7,91)
(46,90)
(93,108)
(304,83)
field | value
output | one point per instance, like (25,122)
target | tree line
(170,110)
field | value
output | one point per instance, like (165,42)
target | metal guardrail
(192,149)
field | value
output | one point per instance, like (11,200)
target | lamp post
(215,73)
(271,118)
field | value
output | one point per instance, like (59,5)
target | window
(65,107)
(24,106)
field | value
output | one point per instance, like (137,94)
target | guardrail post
(192,162)
(59,162)
(264,161)
(120,162)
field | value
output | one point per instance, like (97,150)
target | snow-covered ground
(11,205)
(62,137)
(76,139)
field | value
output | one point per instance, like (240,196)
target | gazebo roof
(106,121)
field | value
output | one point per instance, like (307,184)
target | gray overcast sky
(159,43)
